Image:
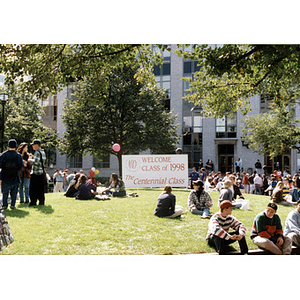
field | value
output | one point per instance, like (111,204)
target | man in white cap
(218,235)
(36,189)
(11,162)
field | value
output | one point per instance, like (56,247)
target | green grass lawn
(117,226)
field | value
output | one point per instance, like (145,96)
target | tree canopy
(46,68)
(230,74)
(22,119)
(118,108)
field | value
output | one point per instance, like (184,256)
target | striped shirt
(219,226)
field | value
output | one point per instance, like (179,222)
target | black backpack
(10,168)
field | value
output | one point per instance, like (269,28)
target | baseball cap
(226,204)
(12,143)
(198,182)
(273,206)
(36,142)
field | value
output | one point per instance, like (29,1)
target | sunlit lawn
(118,226)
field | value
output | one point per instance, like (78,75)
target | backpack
(10,168)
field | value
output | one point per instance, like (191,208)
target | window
(265,103)
(162,74)
(226,127)
(51,157)
(102,164)
(192,134)
(74,161)
(50,109)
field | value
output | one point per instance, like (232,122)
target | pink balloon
(116,147)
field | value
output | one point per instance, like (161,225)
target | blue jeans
(205,212)
(11,188)
(24,184)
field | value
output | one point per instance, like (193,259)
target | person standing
(36,189)
(194,175)
(25,173)
(11,164)
(218,235)
(245,182)
(238,165)
(258,166)
(258,183)
(59,181)
(92,176)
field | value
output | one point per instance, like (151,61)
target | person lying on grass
(218,236)
(166,204)
(199,201)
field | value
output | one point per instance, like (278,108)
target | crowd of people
(267,230)
(24,173)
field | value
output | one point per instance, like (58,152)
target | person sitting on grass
(199,201)
(71,190)
(166,204)
(277,195)
(235,189)
(267,232)
(86,190)
(226,193)
(292,225)
(117,184)
(218,235)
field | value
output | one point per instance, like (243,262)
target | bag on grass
(6,237)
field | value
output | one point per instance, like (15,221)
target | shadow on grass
(16,213)
(45,209)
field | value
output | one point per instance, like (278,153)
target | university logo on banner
(155,170)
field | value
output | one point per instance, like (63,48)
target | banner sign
(155,170)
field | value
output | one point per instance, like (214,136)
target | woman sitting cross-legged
(166,204)
(199,200)
(118,185)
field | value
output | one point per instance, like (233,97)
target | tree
(273,133)
(231,74)
(23,119)
(118,108)
(46,68)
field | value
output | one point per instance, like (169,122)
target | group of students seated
(82,188)
(230,188)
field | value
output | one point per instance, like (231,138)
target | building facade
(202,138)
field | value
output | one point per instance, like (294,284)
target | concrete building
(201,138)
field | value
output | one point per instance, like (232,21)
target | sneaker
(205,217)
(12,207)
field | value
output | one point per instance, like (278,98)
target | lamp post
(3,98)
